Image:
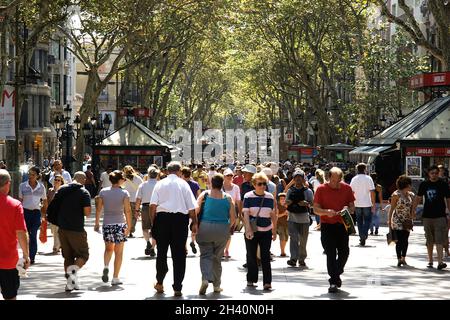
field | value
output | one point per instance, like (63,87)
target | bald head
(5,178)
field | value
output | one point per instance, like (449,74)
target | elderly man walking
(171,206)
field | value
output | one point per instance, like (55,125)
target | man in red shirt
(329,200)
(12,227)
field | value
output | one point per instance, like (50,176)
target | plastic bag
(43,232)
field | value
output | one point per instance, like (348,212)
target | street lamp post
(65,132)
(94,132)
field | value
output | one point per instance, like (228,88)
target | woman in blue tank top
(216,219)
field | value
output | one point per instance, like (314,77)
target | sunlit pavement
(371,273)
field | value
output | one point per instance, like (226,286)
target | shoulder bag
(253,222)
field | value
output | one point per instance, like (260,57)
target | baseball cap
(227,172)
(299,173)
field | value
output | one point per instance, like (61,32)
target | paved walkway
(371,273)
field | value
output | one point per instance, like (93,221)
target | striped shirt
(252,202)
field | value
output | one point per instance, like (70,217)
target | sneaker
(152,252)
(70,285)
(68,288)
(250,284)
(105,277)
(267,287)
(116,281)
(333,289)
(177,293)
(442,265)
(194,249)
(159,288)
(292,262)
(203,287)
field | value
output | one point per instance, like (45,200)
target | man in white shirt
(364,191)
(104,178)
(143,197)
(171,205)
(58,169)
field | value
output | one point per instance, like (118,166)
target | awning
(369,150)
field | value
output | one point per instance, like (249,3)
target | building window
(56,92)
(24,115)
(65,90)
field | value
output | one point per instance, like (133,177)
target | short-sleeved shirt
(201,178)
(239,180)
(113,210)
(362,185)
(74,199)
(246,187)
(235,193)
(173,194)
(132,186)
(145,191)
(435,194)
(11,220)
(194,187)
(335,199)
(32,197)
(251,205)
(104,180)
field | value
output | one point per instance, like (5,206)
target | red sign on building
(428,152)
(137,112)
(435,79)
(130,152)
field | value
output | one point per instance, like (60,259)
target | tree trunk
(89,108)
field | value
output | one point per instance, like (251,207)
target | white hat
(267,171)
(249,168)
(227,172)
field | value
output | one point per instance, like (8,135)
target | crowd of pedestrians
(268,201)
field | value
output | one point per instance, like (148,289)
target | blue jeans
(364,218)
(33,222)
(376,218)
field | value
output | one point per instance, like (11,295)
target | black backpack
(296,196)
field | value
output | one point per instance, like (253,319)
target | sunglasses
(58,180)
(259,184)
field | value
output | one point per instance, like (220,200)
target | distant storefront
(338,152)
(411,145)
(136,145)
(302,153)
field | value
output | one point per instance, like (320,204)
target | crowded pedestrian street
(371,273)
